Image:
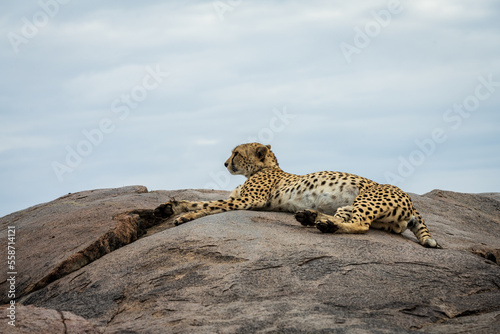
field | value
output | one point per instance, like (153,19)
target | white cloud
(226,78)
(102,87)
(9,143)
(449,10)
(206,142)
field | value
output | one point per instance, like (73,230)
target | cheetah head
(248,159)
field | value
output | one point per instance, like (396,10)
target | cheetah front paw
(327,226)
(306,217)
(164,211)
(184,219)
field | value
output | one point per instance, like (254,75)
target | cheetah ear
(261,152)
(268,146)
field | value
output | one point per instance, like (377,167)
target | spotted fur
(334,202)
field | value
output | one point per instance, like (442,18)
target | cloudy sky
(107,94)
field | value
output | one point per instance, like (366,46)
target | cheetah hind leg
(323,222)
(344,214)
(330,224)
(307,217)
(318,219)
(312,217)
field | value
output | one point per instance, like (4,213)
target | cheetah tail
(418,227)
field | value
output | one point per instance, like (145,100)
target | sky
(105,94)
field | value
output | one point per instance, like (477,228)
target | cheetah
(333,202)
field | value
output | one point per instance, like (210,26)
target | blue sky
(107,94)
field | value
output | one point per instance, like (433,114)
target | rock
(77,229)
(31,319)
(250,271)
(463,221)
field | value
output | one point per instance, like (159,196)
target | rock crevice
(130,226)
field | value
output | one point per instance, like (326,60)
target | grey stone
(249,271)
(31,319)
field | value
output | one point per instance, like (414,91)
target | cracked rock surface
(101,257)
(45,321)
